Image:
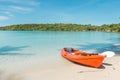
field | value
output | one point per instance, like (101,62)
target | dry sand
(65,70)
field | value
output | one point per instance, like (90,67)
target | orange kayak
(84,58)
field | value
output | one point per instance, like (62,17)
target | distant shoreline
(63,27)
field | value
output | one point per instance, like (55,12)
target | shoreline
(66,70)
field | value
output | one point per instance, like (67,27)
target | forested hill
(64,27)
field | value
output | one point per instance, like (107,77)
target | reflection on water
(9,50)
(100,47)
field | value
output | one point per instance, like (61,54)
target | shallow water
(28,48)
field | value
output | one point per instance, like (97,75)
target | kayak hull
(88,59)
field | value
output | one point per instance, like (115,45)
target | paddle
(108,53)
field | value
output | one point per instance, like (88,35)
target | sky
(95,12)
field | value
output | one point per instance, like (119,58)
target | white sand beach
(62,69)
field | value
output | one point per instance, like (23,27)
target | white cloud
(19,8)
(8,8)
(2,18)
(18,5)
(4,0)
(8,13)
(26,2)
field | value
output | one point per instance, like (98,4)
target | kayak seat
(70,50)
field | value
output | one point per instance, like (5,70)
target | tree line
(64,27)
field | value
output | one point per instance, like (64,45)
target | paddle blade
(108,53)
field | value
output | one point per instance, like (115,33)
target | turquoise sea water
(24,46)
